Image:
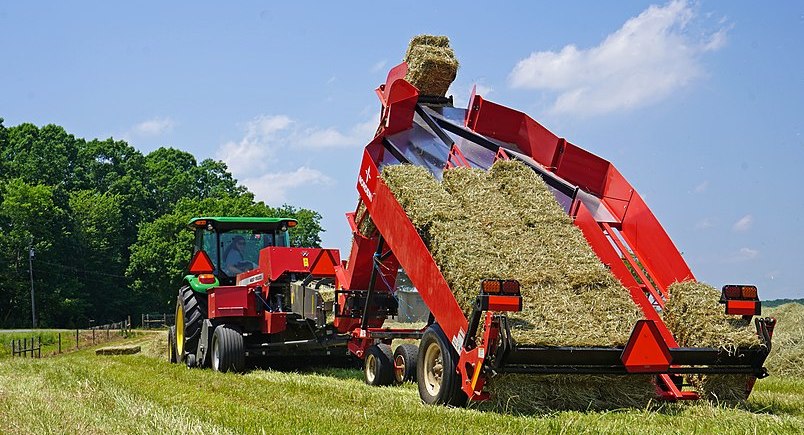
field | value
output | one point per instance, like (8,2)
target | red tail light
(206,278)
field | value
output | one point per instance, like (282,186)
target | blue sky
(698,104)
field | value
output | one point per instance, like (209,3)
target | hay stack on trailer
(506,224)
(696,318)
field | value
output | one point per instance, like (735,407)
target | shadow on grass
(336,367)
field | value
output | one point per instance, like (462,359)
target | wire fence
(55,342)
(157,321)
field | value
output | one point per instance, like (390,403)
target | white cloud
(255,157)
(701,187)
(740,256)
(743,224)
(153,127)
(273,187)
(379,66)
(359,135)
(256,150)
(647,59)
(704,224)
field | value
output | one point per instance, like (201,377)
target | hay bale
(787,353)
(506,224)
(696,318)
(528,394)
(432,65)
(119,350)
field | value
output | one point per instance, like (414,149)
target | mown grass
(82,393)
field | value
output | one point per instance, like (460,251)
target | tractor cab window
(240,250)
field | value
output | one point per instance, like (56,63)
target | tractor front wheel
(378,366)
(171,344)
(228,352)
(191,310)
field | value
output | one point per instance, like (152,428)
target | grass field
(84,393)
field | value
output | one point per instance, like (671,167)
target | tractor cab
(233,244)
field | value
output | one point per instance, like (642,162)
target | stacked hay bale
(432,65)
(696,318)
(505,224)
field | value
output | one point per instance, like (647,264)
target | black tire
(191,310)
(436,370)
(171,347)
(189,361)
(227,350)
(378,365)
(405,357)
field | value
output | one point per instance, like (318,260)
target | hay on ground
(432,65)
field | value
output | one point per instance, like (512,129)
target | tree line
(103,226)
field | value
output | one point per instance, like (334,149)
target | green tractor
(223,248)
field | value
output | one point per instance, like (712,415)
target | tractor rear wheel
(191,310)
(405,357)
(171,344)
(228,352)
(436,370)
(378,366)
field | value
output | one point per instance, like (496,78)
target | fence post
(93,335)
(59,342)
(76,339)
(25,346)
(39,348)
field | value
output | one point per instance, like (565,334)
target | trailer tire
(171,345)
(405,357)
(436,370)
(228,351)
(191,310)
(378,366)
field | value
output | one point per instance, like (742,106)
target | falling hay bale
(504,223)
(432,65)
(697,319)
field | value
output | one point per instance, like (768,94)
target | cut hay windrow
(505,224)
(787,354)
(432,65)
(696,318)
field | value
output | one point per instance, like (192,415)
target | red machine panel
(276,261)
(231,301)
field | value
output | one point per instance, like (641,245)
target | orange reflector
(749,292)
(206,278)
(491,286)
(291,224)
(201,264)
(200,223)
(646,350)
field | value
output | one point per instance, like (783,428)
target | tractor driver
(234,261)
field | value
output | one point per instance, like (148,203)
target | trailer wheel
(171,344)
(191,310)
(228,352)
(436,370)
(405,357)
(378,366)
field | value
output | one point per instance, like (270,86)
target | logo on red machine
(363,180)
